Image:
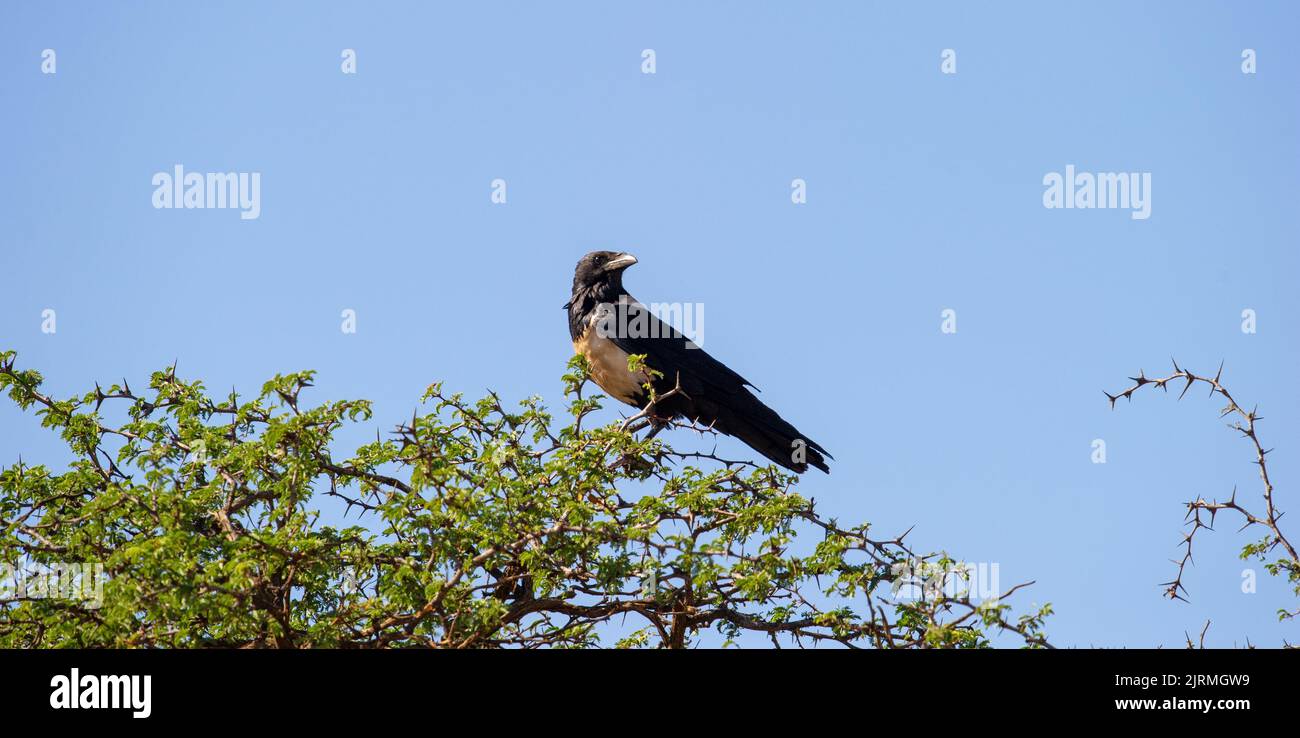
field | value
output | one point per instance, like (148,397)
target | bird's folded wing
(667,350)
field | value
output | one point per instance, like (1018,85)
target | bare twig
(1245,425)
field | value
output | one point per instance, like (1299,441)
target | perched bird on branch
(608,325)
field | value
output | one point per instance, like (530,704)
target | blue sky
(924,193)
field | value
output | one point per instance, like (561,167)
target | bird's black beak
(622,261)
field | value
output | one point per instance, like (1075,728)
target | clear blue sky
(924,193)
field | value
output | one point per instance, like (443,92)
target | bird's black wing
(668,350)
(717,395)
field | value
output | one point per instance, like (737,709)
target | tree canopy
(474,525)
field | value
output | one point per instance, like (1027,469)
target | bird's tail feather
(744,416)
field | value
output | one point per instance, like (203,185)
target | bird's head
(601,268)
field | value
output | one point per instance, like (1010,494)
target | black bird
(607,325)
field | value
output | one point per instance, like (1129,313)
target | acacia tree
(476,526)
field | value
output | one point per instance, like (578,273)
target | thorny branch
(1244,423)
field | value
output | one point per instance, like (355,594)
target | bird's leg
(656,424)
